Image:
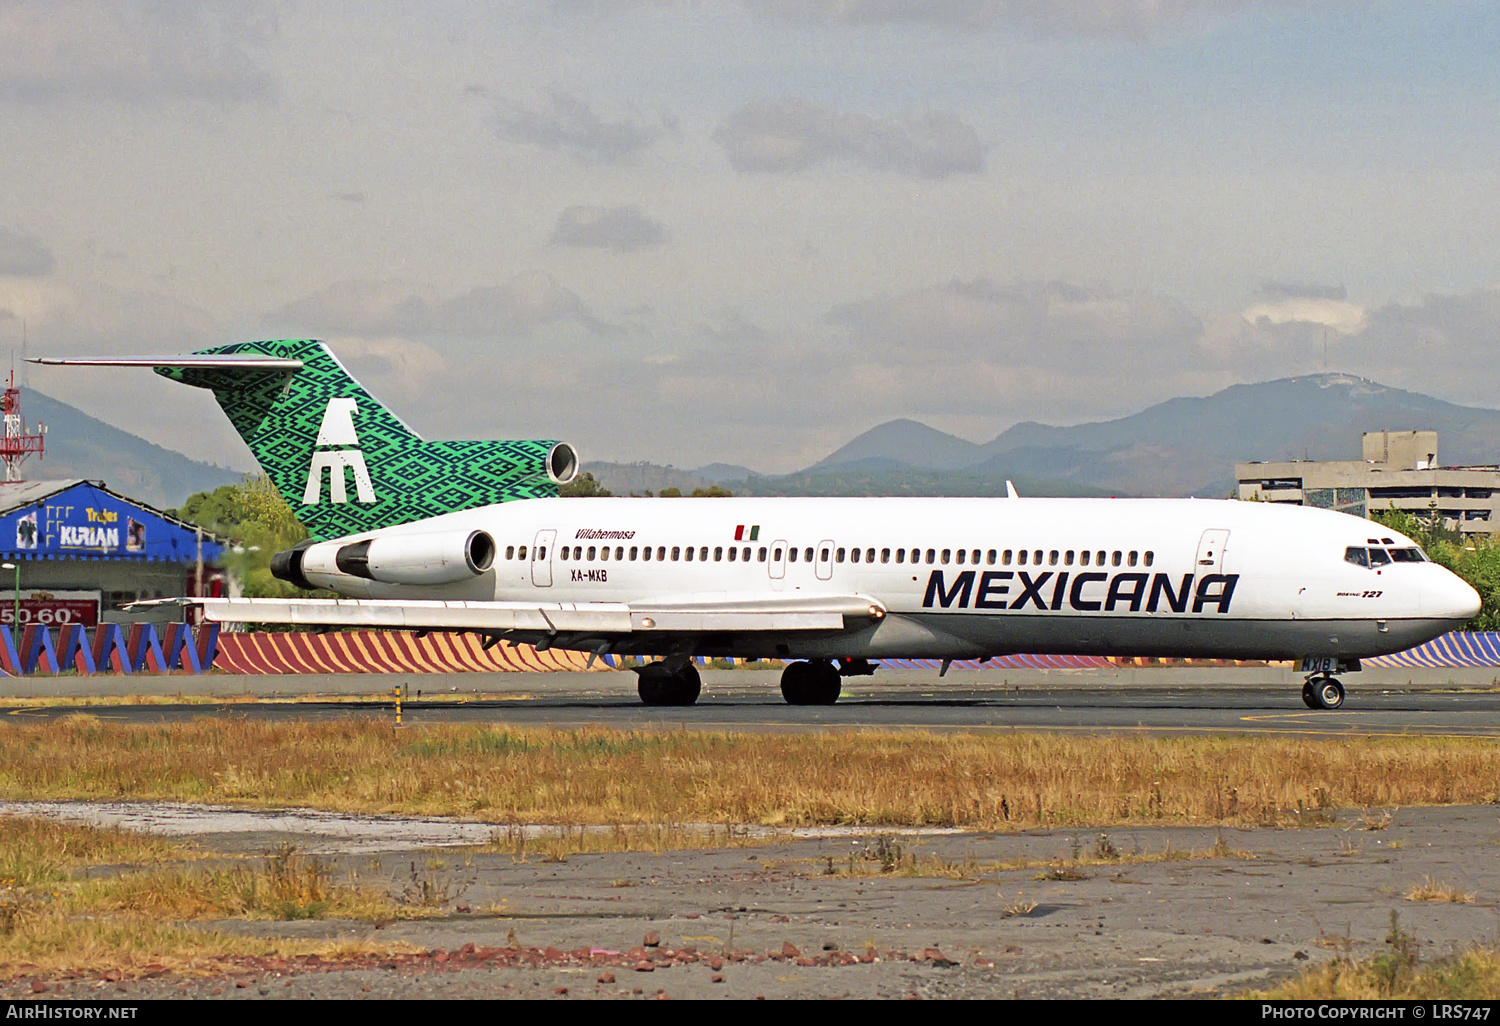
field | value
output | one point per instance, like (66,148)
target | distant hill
(81,446)
(1187,446)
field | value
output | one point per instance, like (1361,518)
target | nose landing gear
(1323,691)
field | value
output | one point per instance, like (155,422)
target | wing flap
(548,618)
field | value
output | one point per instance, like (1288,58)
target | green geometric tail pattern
(388,475)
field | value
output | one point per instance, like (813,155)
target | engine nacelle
(438,558)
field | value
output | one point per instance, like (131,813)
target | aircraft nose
(1449,597)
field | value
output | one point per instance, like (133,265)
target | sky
(744,231)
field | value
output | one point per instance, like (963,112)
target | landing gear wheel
(1310,696)
(659,686)
(811,683)
(1330,693)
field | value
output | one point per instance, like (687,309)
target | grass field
(602,776)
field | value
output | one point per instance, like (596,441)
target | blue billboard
(82,520)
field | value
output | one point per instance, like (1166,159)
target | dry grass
(1398,972)
(56,917)
(1438,890)
(606,776)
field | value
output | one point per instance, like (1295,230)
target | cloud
(1078,17)
(791,134)
(515,309)
(1338,314)
(23,256)
(1301,290)
(136,52)
(1051,324)
(566,124)
(621,229)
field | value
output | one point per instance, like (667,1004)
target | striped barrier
(142,648)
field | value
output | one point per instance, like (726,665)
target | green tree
(258,522)
(711,492)
(584,486)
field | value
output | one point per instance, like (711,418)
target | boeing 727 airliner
(471,536)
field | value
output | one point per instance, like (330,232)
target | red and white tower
(17,444)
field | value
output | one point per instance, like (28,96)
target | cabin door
(541,559)
(1211,552)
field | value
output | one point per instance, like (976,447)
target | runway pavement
(1156,700)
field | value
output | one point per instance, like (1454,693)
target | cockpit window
(1378,557)
(1412,555)
(1359,557)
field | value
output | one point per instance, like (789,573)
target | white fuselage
(962,578)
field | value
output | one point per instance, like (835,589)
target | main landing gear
(1323,691)
(659,685)
(811,683)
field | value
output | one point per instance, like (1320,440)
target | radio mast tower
(17,444)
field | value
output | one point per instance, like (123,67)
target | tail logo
(338,429)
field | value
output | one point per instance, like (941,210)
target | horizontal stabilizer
(215,362)
(826,613)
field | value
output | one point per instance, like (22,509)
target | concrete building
(1400,470)
(81,551)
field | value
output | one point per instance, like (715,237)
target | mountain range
(1185,446)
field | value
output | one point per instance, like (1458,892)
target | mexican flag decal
(740,535)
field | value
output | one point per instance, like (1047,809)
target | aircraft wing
(821,613)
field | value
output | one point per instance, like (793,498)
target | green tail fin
(345,463)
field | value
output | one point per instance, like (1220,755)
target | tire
(826,684)
(796,683)
(1310,696)
(657,686)
(1330,693)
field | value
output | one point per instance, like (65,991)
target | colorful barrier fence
(140,648)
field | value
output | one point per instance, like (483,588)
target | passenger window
(635,552)
(1005,558)
(989,557)
(1116,560)
(604,552)
(946,554)
(869,555)
(1133,557)
(541,552)
(687,556)
(974,557)
(823,555)
(901,555)
(807,556)
(791,555)
(838,555)
(1099,557)
(510,552)
(703,554)
(1150,557)
(1036,557)
(885,556)
(1052,558)
(661,553)
(762,554)
(745,554)
(591,552)
(1021,557)
(1356,556)
(1083,558)
(1379,558)
(732,552)
(853,555)
(719,553)
(931,556)
(521,552)
(962,555)
(1068,558)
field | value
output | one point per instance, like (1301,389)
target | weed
(1105,849)
(426,890)
(1394,965)
(888,851)
(1431,890)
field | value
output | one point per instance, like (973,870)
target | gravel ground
(771,920)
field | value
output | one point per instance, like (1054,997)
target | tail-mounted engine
(436,558)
